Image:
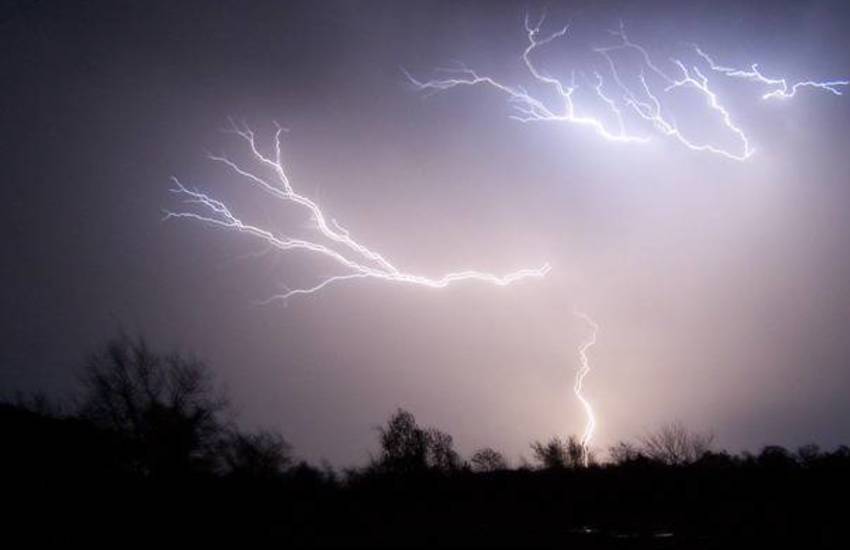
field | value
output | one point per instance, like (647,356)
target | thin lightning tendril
(528,108)
(333,241)
(646,101)
(781,90)
(651,109)
(584,369)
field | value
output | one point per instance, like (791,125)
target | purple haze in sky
(722,288)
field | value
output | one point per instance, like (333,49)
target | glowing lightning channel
(643,103)
(651,110)
(531,109)
(782,90)
(584,369)
(360,262)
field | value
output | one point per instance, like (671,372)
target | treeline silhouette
(149,451)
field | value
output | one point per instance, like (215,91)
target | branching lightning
(646,102)
(332,240)
(650,108)
(640,99)
(780,87)
(584,369)
(528,108)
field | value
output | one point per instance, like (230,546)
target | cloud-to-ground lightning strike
(332,242)
(584,369)
(639,99)
(646,102)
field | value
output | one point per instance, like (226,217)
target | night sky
(722,288)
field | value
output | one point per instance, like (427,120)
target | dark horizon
(722,288)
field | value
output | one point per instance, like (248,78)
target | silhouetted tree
(809,455)
(165,405)
(406,447)
(488,460)
(557,453)
(717,460)
(441,453)
(775,457)
(837,459)
(624,452)
(257,455)
(38,402)
(673,444)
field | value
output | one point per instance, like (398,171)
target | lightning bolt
(332,240)
(528,108)
(649,107)
(645,101)
(584,369)
(781,88)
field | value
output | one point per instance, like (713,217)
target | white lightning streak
(782,90)
(333,242)
(652,111)
(529,108)
(644,103)
(584,369)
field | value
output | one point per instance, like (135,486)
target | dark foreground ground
(65,481)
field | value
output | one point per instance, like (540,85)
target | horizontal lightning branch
(780,89)
(331,241)
(528,108)
(646,101)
